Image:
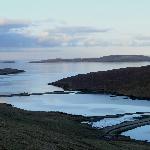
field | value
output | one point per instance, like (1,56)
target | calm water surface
(37,77)
(143,131)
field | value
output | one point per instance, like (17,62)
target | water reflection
(90,105)
(37,77)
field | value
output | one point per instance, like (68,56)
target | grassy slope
(21,129)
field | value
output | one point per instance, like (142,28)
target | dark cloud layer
(10,39)
(16,40)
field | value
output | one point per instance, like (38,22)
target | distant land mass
(110,58)
(133,82)
(7,71)
(7,61)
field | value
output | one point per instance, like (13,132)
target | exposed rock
(7,71)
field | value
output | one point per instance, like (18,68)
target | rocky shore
(30,94)
(133,82)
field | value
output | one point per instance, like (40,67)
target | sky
(73,28)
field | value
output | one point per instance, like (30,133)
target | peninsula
(132,81)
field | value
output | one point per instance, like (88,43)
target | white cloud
(52,33)
(140,41)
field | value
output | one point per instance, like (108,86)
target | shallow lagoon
(143,131)
(86,104)
(107,122)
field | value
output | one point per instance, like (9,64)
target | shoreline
(56,129)
(111,94)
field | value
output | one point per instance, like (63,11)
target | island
(7,61)
(111,58)
(133,82)
(7,71)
